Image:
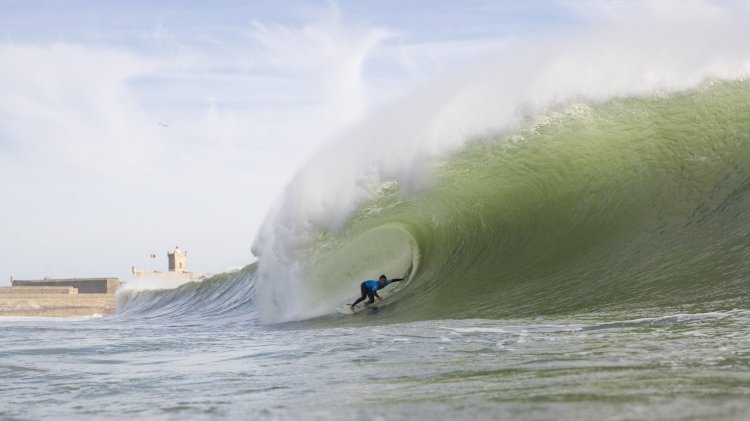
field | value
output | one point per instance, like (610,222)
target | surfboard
(345,309)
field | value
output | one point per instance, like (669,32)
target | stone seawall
(84,285)
(53,302)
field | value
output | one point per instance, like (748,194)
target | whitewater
(573,218)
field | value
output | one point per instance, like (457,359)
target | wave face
(629,203)
(227,297)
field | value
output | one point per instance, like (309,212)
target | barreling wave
(631,203)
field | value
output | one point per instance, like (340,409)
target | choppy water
(594,366)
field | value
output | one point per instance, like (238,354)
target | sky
(127,128)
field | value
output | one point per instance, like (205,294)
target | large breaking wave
(604,169)
(633,203)
(639,202)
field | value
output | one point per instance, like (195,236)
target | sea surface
(591,367)
(593,264)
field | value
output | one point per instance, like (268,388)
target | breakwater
(52,301)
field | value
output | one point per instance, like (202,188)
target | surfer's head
(382,278)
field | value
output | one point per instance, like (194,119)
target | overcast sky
(127,128)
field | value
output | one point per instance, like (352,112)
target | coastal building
(177,271)
(177,260)
(88,296)
(59,297)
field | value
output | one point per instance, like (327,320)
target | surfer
(370,289)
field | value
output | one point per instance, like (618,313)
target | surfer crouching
(370,289)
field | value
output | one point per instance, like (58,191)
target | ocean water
(681,366)
(591,264)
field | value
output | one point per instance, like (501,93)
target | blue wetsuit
(369,289)
(375,285)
